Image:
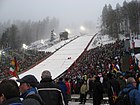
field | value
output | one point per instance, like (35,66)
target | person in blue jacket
(29,92)
(134,94)
(63,88)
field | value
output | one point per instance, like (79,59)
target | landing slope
(62,59)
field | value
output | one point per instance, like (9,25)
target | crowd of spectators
(25,59)
(97,61)
(106,63)
(100,65)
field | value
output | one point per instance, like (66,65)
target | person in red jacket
(68,93)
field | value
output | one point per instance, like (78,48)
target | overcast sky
(67,11)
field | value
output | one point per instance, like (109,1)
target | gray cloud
(67,11)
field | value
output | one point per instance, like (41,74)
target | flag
(115,69)
(14,68)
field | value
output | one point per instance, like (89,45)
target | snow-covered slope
(62,59)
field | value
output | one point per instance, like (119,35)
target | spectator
(90,84)
(134,95)
(138,84)
(49,91)
(83,92)
(122,82)
(97,91)
(112,88)
(68,84)
(29,91)
(63,88)
(9,93)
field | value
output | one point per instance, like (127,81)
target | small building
(63,35)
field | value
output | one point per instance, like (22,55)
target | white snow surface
(59,62)
(137,42)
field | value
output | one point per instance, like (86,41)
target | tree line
(14,34)
(121,20)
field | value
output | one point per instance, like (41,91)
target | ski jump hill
(62,58)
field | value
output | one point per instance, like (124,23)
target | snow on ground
(77,103)
(87,103)
(50,46)
(98,40)
(59,62)
(137,42)
(56,46)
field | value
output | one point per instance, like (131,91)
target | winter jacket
(122,83)
(12,101)
(68,87)
(50,92)
(97,90)
(63,87)
(133,94)
(27,97)
(83,89)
